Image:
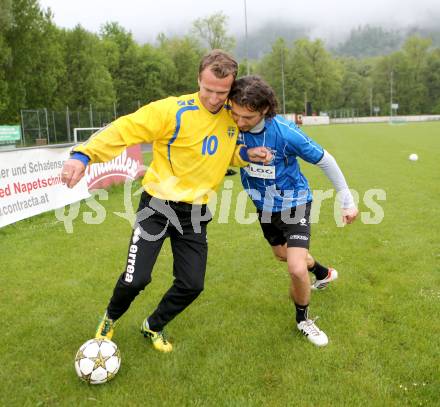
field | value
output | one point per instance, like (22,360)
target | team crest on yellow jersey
(185,102)
(231,131)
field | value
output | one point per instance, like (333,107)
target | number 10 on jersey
(210,145)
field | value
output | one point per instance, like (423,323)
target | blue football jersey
(280,184)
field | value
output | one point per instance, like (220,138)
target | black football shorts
(291,226)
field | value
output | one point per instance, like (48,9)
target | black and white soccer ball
(97,361)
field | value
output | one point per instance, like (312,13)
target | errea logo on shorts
(303,222)
(298,237)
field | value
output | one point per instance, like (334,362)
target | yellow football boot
(158,339)
(105,328)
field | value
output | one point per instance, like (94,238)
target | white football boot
(321,284)
(312,332)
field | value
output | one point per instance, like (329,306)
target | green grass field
(237,345)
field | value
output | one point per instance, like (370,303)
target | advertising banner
(10,134)
(30,183)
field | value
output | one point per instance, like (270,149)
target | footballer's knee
(194,286)
(198,287)
(280,257)
(297,269)
(192,293)
(280,252)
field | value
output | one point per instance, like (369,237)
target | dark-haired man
(281,192)
(194,142)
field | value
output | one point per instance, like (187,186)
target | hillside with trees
(371,41)
(44,66)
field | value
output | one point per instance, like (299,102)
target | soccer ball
(97,361)
(413,157)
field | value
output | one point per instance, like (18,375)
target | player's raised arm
(331,169)
(142,126)
(302,145)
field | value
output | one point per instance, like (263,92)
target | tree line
(42,65)
(311,73)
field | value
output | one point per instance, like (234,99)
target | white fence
(308,120)
(385,119)
(319,120)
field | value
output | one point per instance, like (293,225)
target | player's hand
(72,172)
(349,215)
(260,155)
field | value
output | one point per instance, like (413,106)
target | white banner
(30,183)
(315,120)
(384,119)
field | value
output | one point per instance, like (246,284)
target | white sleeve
(331,169)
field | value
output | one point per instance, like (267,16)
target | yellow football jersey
(192,147)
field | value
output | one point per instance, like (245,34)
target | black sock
(319,271)
(301,312)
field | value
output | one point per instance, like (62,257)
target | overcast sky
(147,18)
